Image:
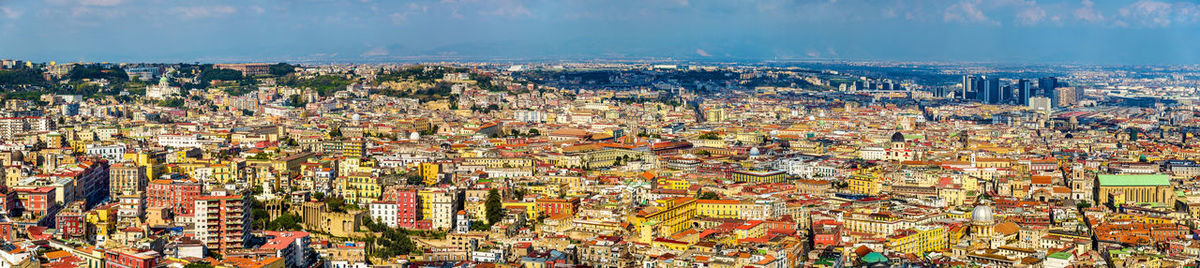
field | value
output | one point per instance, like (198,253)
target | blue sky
(1007,31)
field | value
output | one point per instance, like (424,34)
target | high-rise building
(1049,85)
(1006,94)
(970,89)
(991,90)
(222,221)
(1024,91)
(1068,96)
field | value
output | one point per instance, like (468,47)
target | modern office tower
(991,90)
(1047,85)
(970,89)
(1024,91)
(1006,94)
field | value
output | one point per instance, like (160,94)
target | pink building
(178,195)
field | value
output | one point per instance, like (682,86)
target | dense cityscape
(599,134)
(599,164)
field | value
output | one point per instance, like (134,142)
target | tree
(1083,204)
(533,132)
(296,101)
(480,226)
(285,221)
(260,217)
(282,69)
(709,196)
(335,133)
(414,179)
(493,206)
(336,204)
(519,193)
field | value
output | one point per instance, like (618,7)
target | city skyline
(1033,32)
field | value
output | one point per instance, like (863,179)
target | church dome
(754,151)
(982,213)
(897,137)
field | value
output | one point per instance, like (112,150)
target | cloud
(812,54)
(510,11)
(195,12)
(1149,13)
(967,11)
(9,13)
(258,9)
(103,3)
(375,52)
(412,8)
(702,53)
(1088,12)
(499,8)
(1031,14)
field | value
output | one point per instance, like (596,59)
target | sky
(999,31)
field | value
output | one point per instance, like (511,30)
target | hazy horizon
(1146,32)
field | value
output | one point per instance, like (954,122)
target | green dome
(873,257)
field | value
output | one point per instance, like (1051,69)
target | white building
(180,141)
(111,152)
(384,212)
(530,116)
(443,211)
(162,90)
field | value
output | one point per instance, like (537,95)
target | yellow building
(673,183)
(759,176)
(429,172)
(863,185)
(530,210)
(670,216)
(102,219)
(362,188)
(1136,188)
(425,196)
(750,229)
(919,240)
(718,208)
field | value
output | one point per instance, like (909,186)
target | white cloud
(195,12)
(9,13)
(412,8)
(510,11)
(1088,12)
(103,3)
(702,53)
(258,9)
(967,11)
(1030,15)
(1148,13)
